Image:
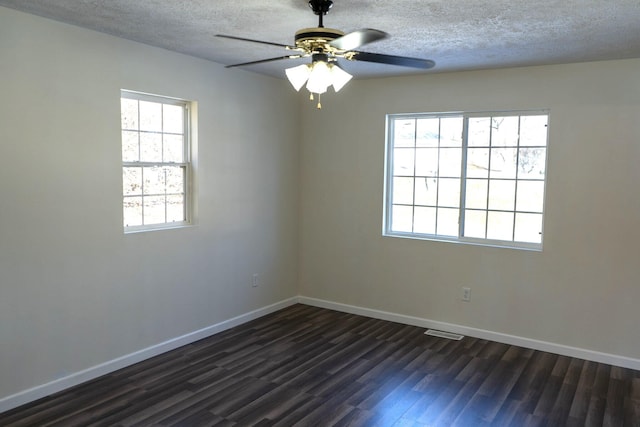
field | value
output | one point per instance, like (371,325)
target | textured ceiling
(456,34)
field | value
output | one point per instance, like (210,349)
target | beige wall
(74,290)
(582,290)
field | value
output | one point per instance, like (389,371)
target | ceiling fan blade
(358,38)
(402,61)
(264,60)
(253,41)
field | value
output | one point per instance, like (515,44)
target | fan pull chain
(319,99)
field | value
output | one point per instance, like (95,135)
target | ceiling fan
(325,46)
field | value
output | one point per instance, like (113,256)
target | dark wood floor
(315,367)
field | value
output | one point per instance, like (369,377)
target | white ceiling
(456,34)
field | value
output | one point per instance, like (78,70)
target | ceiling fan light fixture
(320,77)
(321,73)
(298,76)
(339,77)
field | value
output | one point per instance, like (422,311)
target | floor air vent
(443,334)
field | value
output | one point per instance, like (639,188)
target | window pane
(531,163)
(530,196)
(172,148)
(503,162)
(449,192)
(150,116)
(533,131)
(154,210)
(528,228)
(500,226)
(172,118)
(475,224)
(447,222)
(427,162)
(505,131)
(174,177)
(425,220)
(476,196)
(428,132)
(129,113)
(402,191)
(450,159)
(130,148)
(154,136)
(479,131)
(504,176)
(502,195)
(477,162)
(426,191)
(402,218)
(451,132)
(175,208)
(132,211)
(150,147)
(154,182)
(403,161)
(131,181)
(404,133)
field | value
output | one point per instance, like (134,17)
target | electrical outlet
(254,280)
(466,294)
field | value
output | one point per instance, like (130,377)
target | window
(475,178)
(155,161)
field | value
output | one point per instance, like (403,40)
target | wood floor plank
(595,411)
(309,366)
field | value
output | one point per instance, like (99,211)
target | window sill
(159,227)
(531,247)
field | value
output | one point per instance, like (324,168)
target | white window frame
(186,163)
(460,238)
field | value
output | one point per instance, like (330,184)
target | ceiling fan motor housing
(317,34)
(316,40)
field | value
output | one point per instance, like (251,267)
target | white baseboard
(76,378)
(595,356)
(38,392)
